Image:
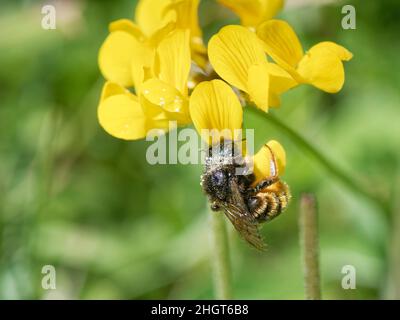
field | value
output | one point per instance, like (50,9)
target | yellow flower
(124,45)
(130,47)
(122,116)
(238,57)
(253,12)
(166,87)
(162,97)
(215,106)
(321,66)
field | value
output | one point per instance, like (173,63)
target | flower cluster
(162,58)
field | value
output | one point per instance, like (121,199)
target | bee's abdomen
(270,202)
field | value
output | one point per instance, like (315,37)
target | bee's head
(216,183)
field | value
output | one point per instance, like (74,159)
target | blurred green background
(116,227)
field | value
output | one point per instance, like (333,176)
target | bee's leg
(215,207)
(265,183)
(264,206)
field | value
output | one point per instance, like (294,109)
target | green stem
(337,172)
(308,226)
(221,257)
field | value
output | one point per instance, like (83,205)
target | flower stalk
(392,291)
(221,262)
(308,225)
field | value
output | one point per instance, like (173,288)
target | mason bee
(245,205)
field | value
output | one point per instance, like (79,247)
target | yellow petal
(270,9)
(151,110)
(214,105)
(266,83)
(232,51)
(269,161)
(281,43)
(163,95)
(168,98)
(155,39)
(143,60)
(127,26)
(122,117)
(186,12)
(162,119)
(323,69)
(111,89)
(252,13)
(115,57)
(173,55)
(280,82)
(249,12)
(151,15)
(142,65)
(156,117)
(258,85)
(341,52)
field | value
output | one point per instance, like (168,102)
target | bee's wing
(247,228)
(241,219)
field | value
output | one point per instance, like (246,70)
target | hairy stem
(393,276)
(308,225)
(394,260)
(331,167)
(221,258)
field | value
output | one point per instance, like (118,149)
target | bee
(246,206)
